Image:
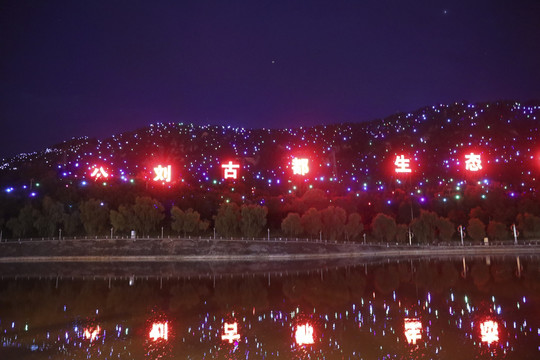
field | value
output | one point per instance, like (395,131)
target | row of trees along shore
(148,217)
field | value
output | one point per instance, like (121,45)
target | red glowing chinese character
(489,330)
(473,162)
(159,331)
(402,164)
(304,334)
(230,170)
(300,166)
(413,330)
(231,332)
(99,172)
(163,173)
(91,333)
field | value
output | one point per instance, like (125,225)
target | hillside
(354,162)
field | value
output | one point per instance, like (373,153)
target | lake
(422,308)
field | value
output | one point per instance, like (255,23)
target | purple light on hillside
(422,199)
(33,194)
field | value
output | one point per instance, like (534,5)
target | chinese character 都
(300,166)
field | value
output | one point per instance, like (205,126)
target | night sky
(95,68)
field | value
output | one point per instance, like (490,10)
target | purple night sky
(74,68)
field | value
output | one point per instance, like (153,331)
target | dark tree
(384,228)
(292,225)
(253,220)
(94,216)
(227,219)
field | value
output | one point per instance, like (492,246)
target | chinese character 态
(159,331)
(473,162)
(230,170)
(163,173)
(413,328)
(304,334)
(231,332)
(489,330)
(402,164)
(300,166)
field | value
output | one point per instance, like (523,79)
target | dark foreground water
(462,308)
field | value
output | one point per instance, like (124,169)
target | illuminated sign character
(230,170)
(473,162)
(413,330)
(91,333)
(402,164)
(300,166)
(99,172)
(489,330)
(231,332)
(304,334)
(159,331)
(163,173)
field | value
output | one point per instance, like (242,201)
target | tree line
(148,217)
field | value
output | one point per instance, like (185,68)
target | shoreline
(361,252)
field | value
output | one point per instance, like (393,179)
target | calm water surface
(463,308)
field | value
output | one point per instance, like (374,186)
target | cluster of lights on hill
(433,147)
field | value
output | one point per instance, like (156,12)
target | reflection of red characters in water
(90,333)
(231,332)
(304,334)
(413,330)
(489,330)
(159,331)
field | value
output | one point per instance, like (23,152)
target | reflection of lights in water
(413,330)
(231,332)
(159,331)
(489,330)
(91,333)
(304,334)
